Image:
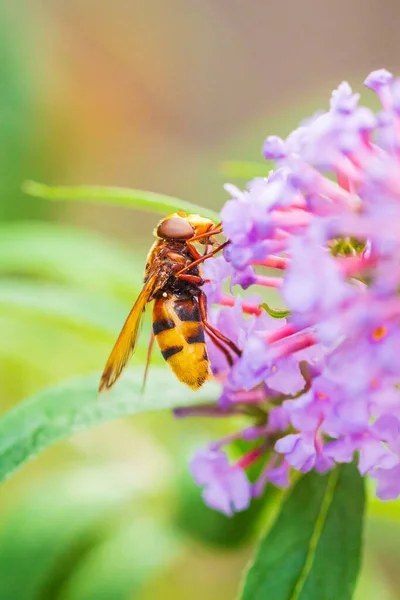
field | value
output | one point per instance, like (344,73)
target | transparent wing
(127,339)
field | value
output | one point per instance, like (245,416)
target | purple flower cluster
(322,385)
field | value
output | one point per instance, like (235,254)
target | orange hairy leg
(195,253)
(203,258)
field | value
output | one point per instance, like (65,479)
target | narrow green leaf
(275,313)
(64,304)
(313,550)
(241,169)
(150,201)
(56,413)
(56,251)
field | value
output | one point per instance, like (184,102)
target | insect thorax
(178,256)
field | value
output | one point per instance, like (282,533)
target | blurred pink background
(155,94)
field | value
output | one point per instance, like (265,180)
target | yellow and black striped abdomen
(180,335)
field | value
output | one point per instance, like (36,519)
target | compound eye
(175,228)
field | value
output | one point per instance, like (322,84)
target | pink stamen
(351,265)
(280,334)
(300,202)
(250,458)
(272,282)
(281,235)
(296,205)
(318,444)
(293,218)
(343,181)
(296,343)
(274,262)
(349,168)
(336,193)
(321,185)
(367,144)
(247,307)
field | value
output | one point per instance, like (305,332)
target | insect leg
(192,278)
(193,251)
(211,328)
(224,339)
(216,335)
(203,258)
(219,345)
(209,233)
(203,315)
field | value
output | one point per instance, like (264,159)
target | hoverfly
(172,279)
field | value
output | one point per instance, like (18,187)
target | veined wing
(126,342)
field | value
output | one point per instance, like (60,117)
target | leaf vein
(316,534)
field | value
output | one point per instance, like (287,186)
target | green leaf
(313,549)
(56,251)
(58,412)
(275,313)
(63,304)
(150,201)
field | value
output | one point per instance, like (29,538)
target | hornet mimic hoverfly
(172,279)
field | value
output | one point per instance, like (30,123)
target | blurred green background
(156,95)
